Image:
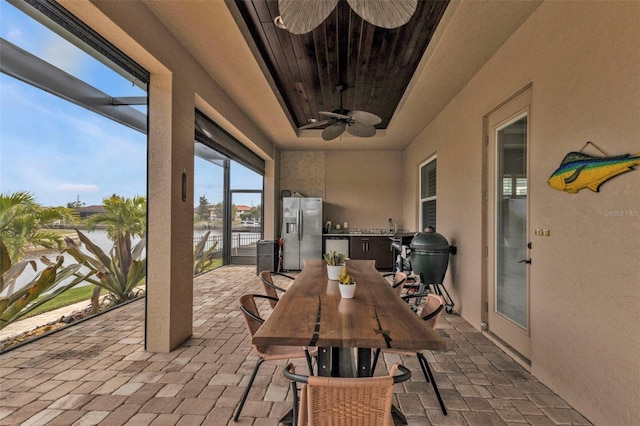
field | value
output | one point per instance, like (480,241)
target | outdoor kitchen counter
(356,234)
(366,244)
(350,233)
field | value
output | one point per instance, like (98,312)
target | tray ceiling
(375,64)
(270,82)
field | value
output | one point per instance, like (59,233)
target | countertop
(355,232)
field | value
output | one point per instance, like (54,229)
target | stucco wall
(361,188)
(583,61)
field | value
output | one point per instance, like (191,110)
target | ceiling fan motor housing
(357,123)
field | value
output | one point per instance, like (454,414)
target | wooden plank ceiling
(376,64)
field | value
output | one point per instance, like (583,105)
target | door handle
(528,261)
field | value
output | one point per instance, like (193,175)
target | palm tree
(124,217)
(23,222)
(124,268)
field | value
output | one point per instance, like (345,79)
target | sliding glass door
(228,206)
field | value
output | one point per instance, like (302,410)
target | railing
(239,240)
(211,240)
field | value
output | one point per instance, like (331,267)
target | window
(73,126)
(428,193)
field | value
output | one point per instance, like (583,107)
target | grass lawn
(69,297)
(79,294)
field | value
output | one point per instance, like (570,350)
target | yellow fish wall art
(578,171)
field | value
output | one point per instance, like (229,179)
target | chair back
(363,401)
(399,280)
(432,309)
(250,312)
(269,286)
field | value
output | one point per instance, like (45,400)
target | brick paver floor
(97,372)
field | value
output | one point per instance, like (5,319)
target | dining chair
(431,312)
(365,401)
(253,321)
(270,288)
(399,280)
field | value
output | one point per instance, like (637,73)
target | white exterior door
(508,260)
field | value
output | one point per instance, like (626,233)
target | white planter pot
(347,291)
(334,271)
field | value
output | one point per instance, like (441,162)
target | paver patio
(97,372)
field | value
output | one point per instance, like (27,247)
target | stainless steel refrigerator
(301,231)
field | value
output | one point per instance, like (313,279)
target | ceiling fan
(357,123)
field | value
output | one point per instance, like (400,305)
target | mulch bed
(63,321)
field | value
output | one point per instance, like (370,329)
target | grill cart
(429,260)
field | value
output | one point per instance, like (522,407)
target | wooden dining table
(312,313)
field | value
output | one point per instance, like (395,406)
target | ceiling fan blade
(385,13)
(364,117)
(315,124)
(300,16)
(333,131)
(334,115)
(361,130)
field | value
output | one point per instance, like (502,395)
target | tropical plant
(118,273)
(123,217)
(23,222)
(16,305)
(345,278)
(123,269)
(334,258)
(203,260)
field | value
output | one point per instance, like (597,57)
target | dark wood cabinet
(372,248)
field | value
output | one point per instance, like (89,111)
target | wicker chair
(253,322)
(431,312)
(270,288)
(365,401)
(399,281)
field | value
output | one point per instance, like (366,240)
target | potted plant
(335,262)
(346,284)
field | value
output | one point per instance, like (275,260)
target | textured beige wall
(364,188)
(303,172)
(582,59)
(361,188)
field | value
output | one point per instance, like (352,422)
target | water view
(99,237)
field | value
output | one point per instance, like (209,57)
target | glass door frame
(240,260)
(507,331)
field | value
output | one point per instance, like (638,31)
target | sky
(61,152)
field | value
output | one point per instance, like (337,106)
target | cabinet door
(380,250)
(358,248)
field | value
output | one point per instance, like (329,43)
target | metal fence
(239,241)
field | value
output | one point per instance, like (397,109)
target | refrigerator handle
(300,224)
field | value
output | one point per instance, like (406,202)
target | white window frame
(430,197)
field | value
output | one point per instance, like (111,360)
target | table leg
(335,362)
(324,361)
(364,362)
